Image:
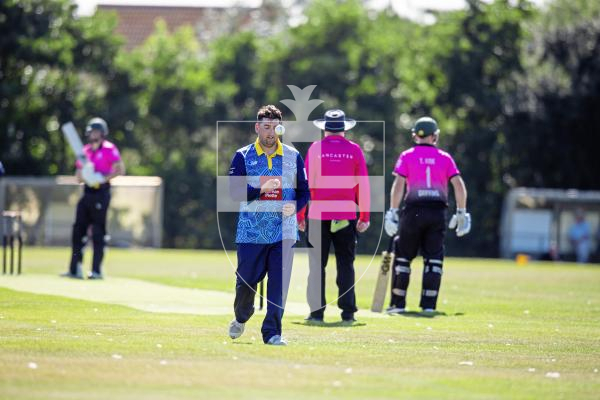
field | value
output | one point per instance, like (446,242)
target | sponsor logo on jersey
(337,155)
(428,193)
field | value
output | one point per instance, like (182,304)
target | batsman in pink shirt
(103,162)
(339,183)
(425,171)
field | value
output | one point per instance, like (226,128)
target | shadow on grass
(420,314)
(246,343)
(337,324)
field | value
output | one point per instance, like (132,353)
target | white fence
(48,207)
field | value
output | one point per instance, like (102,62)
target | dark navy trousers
(255,261)
(91,211)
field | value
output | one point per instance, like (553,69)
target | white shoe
(95,275)
(236,329)
(277,340)
(395,310)
(428,310)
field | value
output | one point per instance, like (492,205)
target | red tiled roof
(136,23)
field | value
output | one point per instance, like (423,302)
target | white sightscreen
(48,206)
(531,231)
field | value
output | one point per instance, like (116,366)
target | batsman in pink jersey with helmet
(103,163)
(425,171)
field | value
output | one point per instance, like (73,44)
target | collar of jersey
(425,144)
(334,137)
(260,151)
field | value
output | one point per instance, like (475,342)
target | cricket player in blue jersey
(269,180)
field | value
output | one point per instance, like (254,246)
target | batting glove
(391,222)
(87,173)
(99,178)
(461,221)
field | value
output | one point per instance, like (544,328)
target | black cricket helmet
(425,126)
(98,124)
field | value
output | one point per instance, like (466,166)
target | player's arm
(364,192)
(78,175)
(460,191)
(391,216)
(301,216)
(302,191)
(302,194)
(238,169)
(462,219)
(572,237)
(118,169)
(397,191)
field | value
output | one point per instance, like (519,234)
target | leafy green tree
(169,136)
(514,89)
(555,119)
(52,69)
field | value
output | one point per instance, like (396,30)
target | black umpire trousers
(344,244)
(91,211)
(422,229)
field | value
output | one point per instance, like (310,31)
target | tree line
(514,88)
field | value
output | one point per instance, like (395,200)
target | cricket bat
(383,277)
(74,141)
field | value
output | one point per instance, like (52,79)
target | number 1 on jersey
(428,175)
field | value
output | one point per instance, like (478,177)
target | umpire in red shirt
(338,181)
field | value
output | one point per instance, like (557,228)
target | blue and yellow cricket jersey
(261,221)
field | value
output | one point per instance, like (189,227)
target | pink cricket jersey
(338,180)
(103,158)
(427,170)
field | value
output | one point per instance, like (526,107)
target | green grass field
(504,332)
